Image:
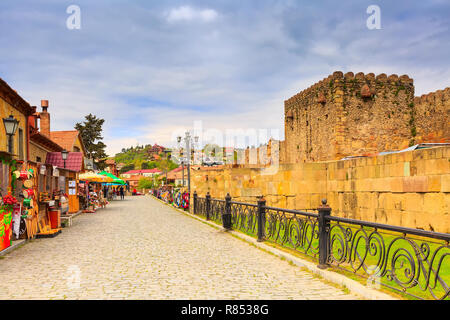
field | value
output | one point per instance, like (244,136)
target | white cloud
(327,49)
(149,69)
(187,13)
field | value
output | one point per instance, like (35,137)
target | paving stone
(141,249)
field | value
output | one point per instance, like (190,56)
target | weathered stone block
(434,183)
(434,203)
(415,184)
(445,182)
(412,202)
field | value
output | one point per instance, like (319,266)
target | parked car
(211,162)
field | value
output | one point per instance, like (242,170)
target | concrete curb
(16,245)
(352,285)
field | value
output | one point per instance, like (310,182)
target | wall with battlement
(358,114)
(432,116)
(310,122)
(410,189)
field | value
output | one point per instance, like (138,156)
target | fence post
(208,206)
(261,216)
(194,207)
(226,216)
(324,234)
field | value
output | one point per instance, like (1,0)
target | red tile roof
(143,171)
(14,98)
(65,139)
(178,169)
(42,140)
(74,160)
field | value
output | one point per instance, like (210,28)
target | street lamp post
(182,168)
(188,142)
(11,124)
(64,155)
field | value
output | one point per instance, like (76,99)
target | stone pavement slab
(141,249)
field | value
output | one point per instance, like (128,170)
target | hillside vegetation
(140,157)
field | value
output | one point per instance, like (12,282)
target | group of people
(111,192)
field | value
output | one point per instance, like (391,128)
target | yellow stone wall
(78,144)
(410,189)
(37,151)
(5,111)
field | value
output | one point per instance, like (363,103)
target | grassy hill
(139,157)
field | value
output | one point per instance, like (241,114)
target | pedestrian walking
(122,193)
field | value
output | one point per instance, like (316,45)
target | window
(38,159)
(76,149)
(20,144)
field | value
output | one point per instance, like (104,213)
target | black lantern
(64,155)
(11,125)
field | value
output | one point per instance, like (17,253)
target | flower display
(9,200)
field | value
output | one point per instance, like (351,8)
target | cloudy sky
(152,68)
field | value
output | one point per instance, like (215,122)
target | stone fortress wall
(409,189)
(351,115)
(357,114)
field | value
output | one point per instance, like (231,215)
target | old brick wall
(37,151)
(361,114)
(432,116)
(410,189)
(310,122)
(377,113)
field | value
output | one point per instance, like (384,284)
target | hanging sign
(16,220)
(55,171)
(42,170)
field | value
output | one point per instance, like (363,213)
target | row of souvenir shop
(34,198)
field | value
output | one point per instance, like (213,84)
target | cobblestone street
(142,249)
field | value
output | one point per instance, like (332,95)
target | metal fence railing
(411,261)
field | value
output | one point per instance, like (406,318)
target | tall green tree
(91,134)
(146,183)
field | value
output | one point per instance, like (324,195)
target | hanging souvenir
(28,193)
(28,184)
(28,203)
(23,175)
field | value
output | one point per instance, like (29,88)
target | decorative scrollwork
(200,207)
(293,230)
(244,217)
(217,209)
(411,265)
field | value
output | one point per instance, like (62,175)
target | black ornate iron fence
(298,230)
(411,261)
(244,217)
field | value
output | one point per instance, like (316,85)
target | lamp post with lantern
(64,155)
(11,124)
(189,141)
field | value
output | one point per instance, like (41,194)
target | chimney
(32,120)
(45,119)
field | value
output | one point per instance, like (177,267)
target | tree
(91,134)
(145,183)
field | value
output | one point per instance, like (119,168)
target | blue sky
(150,68)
